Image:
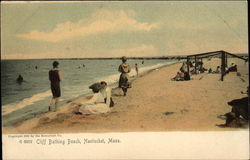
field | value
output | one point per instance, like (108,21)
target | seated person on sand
(217,70)
(202,69)
(239,115)
(210,70)
(186,76)
(183,67)
(184,71)
(232,68)
(100,102)
(179,77)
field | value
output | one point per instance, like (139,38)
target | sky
(33,30)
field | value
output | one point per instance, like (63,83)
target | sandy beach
(154,103)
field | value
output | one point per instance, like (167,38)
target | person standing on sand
(55,78)
(124,68)
(136,69)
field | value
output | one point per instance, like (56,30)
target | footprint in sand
(60,117)
(168,113)
(184,111)
(44,120)
(18,123)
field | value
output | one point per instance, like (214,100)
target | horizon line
(128,57)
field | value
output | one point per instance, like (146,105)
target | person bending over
(100,102)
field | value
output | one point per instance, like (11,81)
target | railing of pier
(222,54)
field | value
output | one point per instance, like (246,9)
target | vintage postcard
(125,80)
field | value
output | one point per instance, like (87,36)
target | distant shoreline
(172,57)
(107,58)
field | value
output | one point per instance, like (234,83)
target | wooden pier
(222,54)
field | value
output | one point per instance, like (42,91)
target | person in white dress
(100,102)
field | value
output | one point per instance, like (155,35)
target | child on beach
(136,69)
(100,102)
(55,78)
(124,68)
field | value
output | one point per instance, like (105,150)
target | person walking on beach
(124,68)
(55,78)
(136,69)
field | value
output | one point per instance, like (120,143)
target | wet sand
(154,103)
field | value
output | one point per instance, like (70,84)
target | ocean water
(32,97)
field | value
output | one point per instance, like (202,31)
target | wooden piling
(226,60)
(223,65)
(195,64)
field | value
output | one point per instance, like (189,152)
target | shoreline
(84,97)
(65,101)
(131,107)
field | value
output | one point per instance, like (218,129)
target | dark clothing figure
(55,78)
(19,79)
(55,83)
(210,70)
(186,76)
(124,68)
(233,68)
(239,115)
(240,107)
(202,70)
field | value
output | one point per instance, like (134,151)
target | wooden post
(223,63)
(226,60)
(201,63)
(195,64)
